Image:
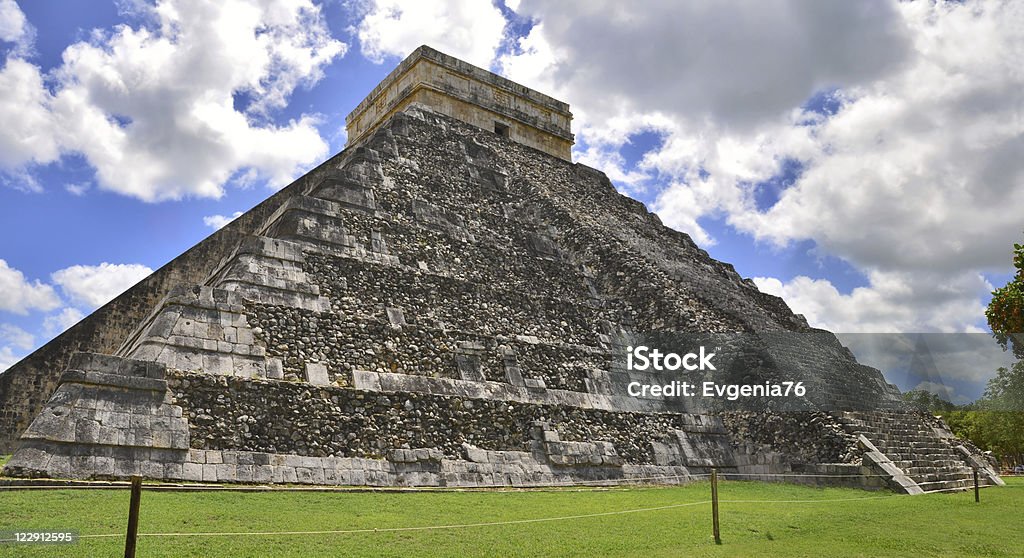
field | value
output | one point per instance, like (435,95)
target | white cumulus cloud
(921,170)
(29,133)
(153,107)
(909,155)
(938,357)
(14,335)
(14,27)
(58,323)
(7,358)
(916,170)
(734,63)
(217,222)
(468,29)
(12,21)
(892,302)
(19,295)
(92,286)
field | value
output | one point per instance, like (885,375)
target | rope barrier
(270,488)
(597,483)
(403,529)
(491,523)
(819,475)
(812,501)
(484,524)
(64,487)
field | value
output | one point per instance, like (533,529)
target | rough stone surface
(809,437)
(109,416)
(295,417)
(470,94)
(440,306)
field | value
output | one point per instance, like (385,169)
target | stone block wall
(202,329)
(114,417)
(294,417)
(470,94)
(804,437)
(110,418)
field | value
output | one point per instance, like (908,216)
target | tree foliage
(1005,313)
(928,401)
(996,421)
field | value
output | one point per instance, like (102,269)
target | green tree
(1005,313)
(969,423)
(996,421)
(1005,392)
(928,401)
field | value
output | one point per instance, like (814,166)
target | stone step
(889,414)
(921,451)
(917,443)
(936,476)
(871,419)
(915,430)
(913,446)
(892,429)
(887,424)
(927,479)
(923,459)
(930,486)
(920,443)
(925,452)
(918,453)
(906,464)
(908,429)
(882,431)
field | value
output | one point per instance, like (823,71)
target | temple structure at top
(470,94)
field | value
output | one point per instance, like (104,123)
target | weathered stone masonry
(289,417)
(439,305)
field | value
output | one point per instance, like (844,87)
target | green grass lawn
(811,524)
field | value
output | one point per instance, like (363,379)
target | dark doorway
(501,129)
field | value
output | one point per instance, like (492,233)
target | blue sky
(859,159)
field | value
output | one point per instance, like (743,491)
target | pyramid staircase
(919,456)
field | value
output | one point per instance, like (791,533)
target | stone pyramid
(446,304)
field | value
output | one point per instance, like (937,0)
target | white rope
(724,475)
(64,487)
(830,500)
(553,484)
(271,488)
(402,529)
(491,523)
(811,475)
(509,522)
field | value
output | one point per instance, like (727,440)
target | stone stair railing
(917,459)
